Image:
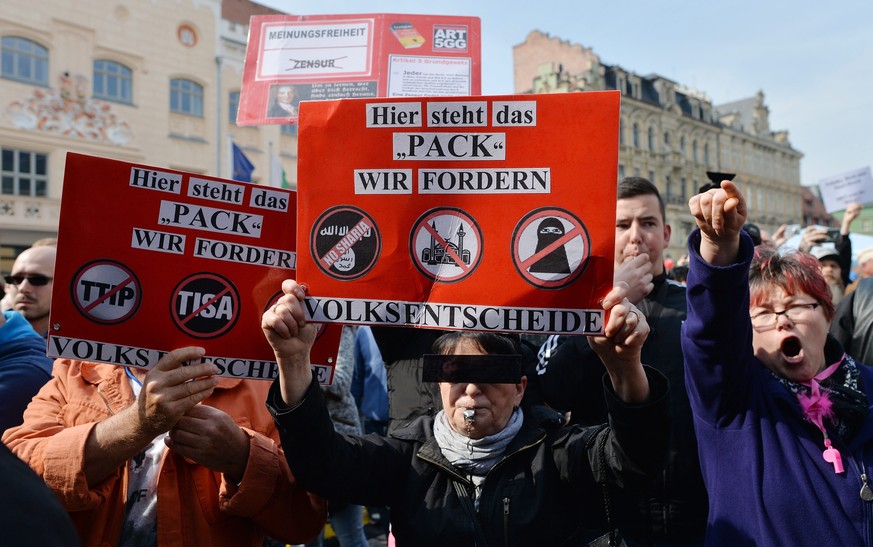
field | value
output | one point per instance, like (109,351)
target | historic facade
(673,135)
(152,82)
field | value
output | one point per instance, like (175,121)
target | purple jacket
(762,462)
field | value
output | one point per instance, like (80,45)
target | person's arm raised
(291,337)
(720,214)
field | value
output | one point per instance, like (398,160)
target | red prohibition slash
(114,301)
(108,294)
(573,265)
(449,251)
(551,247)
(438,258)
(345,242)
(205,305)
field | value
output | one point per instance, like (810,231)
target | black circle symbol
(550,247)
(345,242)
(446,244)
(205,305)
(106,291)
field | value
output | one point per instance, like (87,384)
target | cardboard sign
(482,213)
(151,259)
(290,59)
(840,191)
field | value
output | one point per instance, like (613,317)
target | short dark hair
(638,186)
(492,343)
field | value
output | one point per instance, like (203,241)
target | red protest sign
(484,213)
(290,59)
(151,259)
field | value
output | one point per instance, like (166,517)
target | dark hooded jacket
(544,491)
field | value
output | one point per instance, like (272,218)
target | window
(651,139)
(186,97)
(232,106)
(706,153)
(24,60)
(620,172)
(289,129)
(23,173)
(621,132)
(682,190)
(682,146)
(636,135)
(113,81)
(694,149)
(652,177)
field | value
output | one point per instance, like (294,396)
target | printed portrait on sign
(285,100)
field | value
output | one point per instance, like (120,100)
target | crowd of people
(725,403)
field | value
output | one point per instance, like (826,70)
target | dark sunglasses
(37,280)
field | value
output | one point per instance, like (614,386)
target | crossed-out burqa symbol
(550,247)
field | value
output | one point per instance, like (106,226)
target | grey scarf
(485,451)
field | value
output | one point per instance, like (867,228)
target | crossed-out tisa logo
(450,38)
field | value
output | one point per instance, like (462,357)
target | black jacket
(543,492)
(674,510)
(853,324)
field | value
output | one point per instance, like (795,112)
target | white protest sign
(838,191)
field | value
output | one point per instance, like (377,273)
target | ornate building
(672,134)
(152,82)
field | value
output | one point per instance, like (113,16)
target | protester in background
(754,232)
(136,460)
(8,300)
(478,471)
(30,513)
(370,383)
(33,275)
(814,236)
(865,268)
(408,397)
(853,324)
(346,519)
(24,367)
(782,414)
(673,510)
(831,269)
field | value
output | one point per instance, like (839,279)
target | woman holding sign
(478,471)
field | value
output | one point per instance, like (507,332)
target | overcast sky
(812,60)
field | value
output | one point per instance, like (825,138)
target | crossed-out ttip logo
(205,305)
(106,291)
(345,242)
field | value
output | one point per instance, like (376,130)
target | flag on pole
(242,166)
(277,173)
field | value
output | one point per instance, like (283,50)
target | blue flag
(242,167)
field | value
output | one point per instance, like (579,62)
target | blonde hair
(865,255)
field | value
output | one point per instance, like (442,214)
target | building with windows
(672,134)
(153,82)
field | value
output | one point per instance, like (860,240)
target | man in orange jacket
(171,456)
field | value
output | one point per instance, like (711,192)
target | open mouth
(792,350)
